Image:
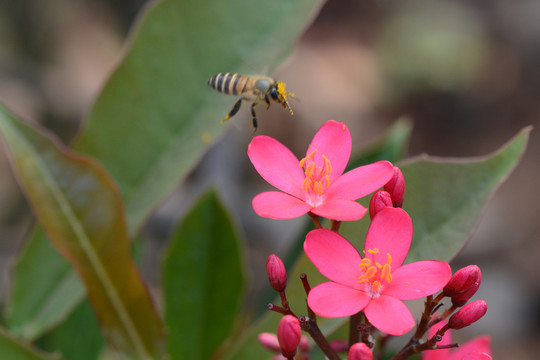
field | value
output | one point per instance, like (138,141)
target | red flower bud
(380,200)
(463,280)
(360,351)
(289,335)
(468,314)
(461,299)
(396,187)
(276,273)
(269,341)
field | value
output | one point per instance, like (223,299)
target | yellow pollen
(378,274)
(317,178)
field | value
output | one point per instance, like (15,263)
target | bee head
(279,94)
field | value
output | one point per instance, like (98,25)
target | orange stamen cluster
(317,178)
(374,272)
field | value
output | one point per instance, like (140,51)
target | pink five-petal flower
(377,283)
(316,183)
(477,346)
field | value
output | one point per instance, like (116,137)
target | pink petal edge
(333,300)
(279,206)
(361,181)
(334,256)
(418,279)
(391,232)
(277,165)
(340,210)
(389,315)
(333,140)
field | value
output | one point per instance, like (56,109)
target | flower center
(375,275)
(317,177)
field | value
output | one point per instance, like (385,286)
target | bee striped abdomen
(230,84)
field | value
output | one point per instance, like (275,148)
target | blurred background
(465,72)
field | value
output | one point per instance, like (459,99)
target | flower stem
(315,219)
(414,345)
(354,334)
(310,325)
(335,225)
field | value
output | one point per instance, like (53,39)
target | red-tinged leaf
(12,348)
(79,207)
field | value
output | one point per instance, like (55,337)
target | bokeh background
(465,72)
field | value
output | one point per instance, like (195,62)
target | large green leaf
(28,315)
(203,281)
(445,198)
(14,349)
(152,121)
(79,208)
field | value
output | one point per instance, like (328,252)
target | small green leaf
(391,146)
(14,349)
(28,315)
(203,281)
(79,208)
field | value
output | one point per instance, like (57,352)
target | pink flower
(316,183)
(377,283)
(478,348)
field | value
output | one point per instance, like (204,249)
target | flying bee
(258,89)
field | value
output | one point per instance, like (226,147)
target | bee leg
(253,117)
(233,111)
(267,101)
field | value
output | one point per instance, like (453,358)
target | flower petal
(333,140)
(418,279)
(277,165)
(390,231)
(481,344)
(334,256)
(361,181)
(333,300)
(278,205)
(341,210)
(389,315)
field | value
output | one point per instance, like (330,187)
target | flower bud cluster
(463,285)
(391,196)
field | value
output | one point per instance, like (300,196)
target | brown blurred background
(466,72)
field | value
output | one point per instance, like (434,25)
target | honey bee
(258,89)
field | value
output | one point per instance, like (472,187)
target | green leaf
(203,281)
(446,197)
(79,208)
(14,349)
(86,345)
(28,315)
(391,146)
(154,118)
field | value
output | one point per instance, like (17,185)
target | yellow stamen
(375,275)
